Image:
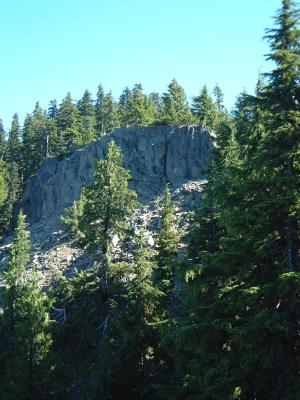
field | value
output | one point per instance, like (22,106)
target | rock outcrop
(155,156)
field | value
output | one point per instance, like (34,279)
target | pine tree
(14,145)
(124,106)
(130,343)
(13,158)
(158,106)
(219,98)
(99,111)
(27,321)
(87,112)
(244,293)
(139,108)
(109,114)
(69,124)
(104,210)
(3,197)
(34,141)
(176,110)
(205,109)
(52,109)
(167,243)
(3,143)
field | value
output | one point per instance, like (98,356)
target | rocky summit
(154,155)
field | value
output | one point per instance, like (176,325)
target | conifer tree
(130,344)
(167,243)
(26,317)
(34,141)
(3,197)
(139,108)
(158,105)
(104,210)
(219,98)
(109,117)
(14,144)
(176,110)
(99,111)
(52,109)
(124,106)
(69,124)
(245,293)
(204,109)
(87,112)
(3,143)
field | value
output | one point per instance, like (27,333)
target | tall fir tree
(69,124)
(167,243)
(204,108)
(52,109)
(244,304)
(3,144)
(176,110)
(99,111)
(132,330)
(3,198)
(87,111)
(26,324)
(34,141)
(109,118)
(14,143)
(124,106)
(139,108)
(104,210)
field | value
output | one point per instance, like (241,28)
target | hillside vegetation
(209,314)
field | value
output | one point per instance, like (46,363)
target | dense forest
(211,314)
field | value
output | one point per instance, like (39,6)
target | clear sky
(50,47)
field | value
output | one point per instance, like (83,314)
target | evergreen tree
(176,110)
(69,124)
(99,111)
(27,321)
(52,109)
(244,293)
(104,210)
(14,144)
(109,114)
(204,109)
(87,112)
(130,342)
(34,141)
(139,108)
(167,243)
(124,106)
(3,143)
(219,98)
(3,197)
(158,105)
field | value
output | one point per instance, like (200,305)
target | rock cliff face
(154,155)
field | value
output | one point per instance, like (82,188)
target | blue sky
(51,47)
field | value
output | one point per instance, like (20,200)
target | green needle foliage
(167,242)
(240,337)
(176,110)
(25,325)
(104,209)
(129,345)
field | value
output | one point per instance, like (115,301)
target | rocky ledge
(154,155)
